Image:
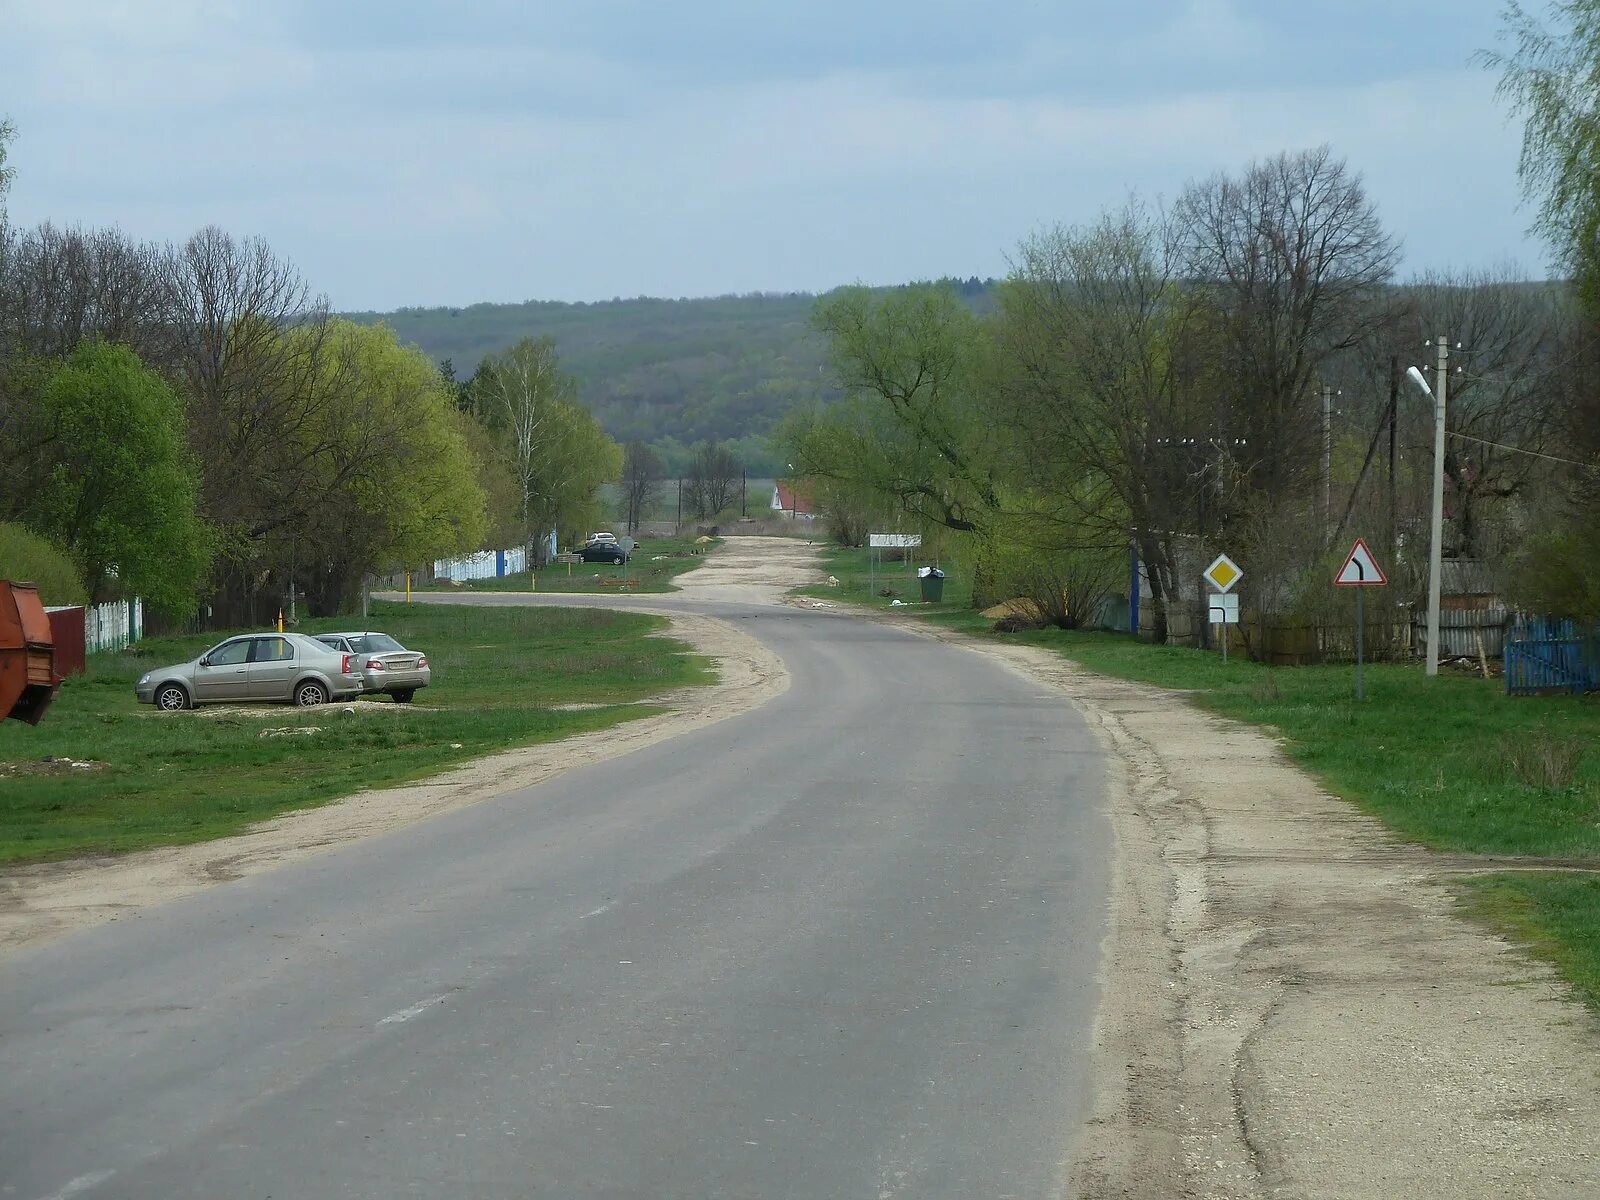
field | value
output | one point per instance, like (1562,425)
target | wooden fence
(1544,654)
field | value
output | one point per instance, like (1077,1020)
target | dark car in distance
(604,551)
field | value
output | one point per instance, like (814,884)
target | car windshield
(374,643)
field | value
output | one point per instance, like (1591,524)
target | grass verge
(176,778)
(653,566)
(881,586)
(1555,915)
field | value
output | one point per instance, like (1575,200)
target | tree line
(190,424)
(1225,372)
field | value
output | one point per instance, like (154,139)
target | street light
(1435,552)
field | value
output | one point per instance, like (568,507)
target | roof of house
(795,499)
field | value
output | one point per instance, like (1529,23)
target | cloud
(402,172)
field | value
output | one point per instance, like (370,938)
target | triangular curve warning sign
(1360,568)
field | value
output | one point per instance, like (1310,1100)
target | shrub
(28,558)
(1541,760)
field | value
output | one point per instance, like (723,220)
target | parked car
(289,668)
(385,665)
(611,552)
(602,537)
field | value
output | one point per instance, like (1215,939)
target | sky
(443,153)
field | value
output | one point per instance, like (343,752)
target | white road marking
(81,1184)
(604,908)
(405,1014)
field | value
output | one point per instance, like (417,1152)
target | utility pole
(1394,411)
(1327,463)
(1436,545)
(677,524)
(744,481)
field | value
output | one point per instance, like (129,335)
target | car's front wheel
(310,693)
(170,697)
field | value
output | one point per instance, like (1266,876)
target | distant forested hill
(658,370)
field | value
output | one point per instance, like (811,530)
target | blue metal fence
(1544,654)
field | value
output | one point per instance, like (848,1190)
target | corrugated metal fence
(1544,654)
(485,564)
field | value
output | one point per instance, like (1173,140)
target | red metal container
(28,681)
(66,630)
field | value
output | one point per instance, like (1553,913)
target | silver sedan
(289,668)
(385,665)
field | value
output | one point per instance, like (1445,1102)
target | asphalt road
(842,946)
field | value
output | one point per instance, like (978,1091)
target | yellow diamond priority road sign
(1223,573)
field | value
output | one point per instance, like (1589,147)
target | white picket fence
(112,626)
(485,564)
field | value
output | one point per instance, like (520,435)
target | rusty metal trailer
(28,679)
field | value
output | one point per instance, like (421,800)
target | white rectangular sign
(894,541)
(1224,609)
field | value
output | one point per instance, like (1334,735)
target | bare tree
(1290,260)
(641,482)
(712,481)
(1502,409)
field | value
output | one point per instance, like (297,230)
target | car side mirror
(205,660)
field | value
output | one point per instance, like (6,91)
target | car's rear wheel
(310,693)
(170,697)
(403,696)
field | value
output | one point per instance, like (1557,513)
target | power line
(1571,462)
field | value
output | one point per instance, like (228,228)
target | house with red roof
(794,498)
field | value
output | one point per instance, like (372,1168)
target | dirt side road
(1291,1007)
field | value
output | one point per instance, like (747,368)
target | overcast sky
(420,152)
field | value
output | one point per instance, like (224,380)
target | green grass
(1555,915)
(187,777)
(676,556)
(860,584)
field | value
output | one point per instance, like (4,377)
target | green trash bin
(932,585)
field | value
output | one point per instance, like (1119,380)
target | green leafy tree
(558,455)
(1550,74)
(119,487)
(7,132)
(913,426)
(1551,77)
(393,462)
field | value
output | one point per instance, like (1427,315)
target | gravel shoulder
(41,902)
(1291,1004)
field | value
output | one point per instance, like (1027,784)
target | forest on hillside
(668,372)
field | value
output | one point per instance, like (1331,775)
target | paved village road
(844,945)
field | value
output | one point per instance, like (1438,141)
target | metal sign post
(1224,611)
(891,541)
(1224,608)
(1360,571)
